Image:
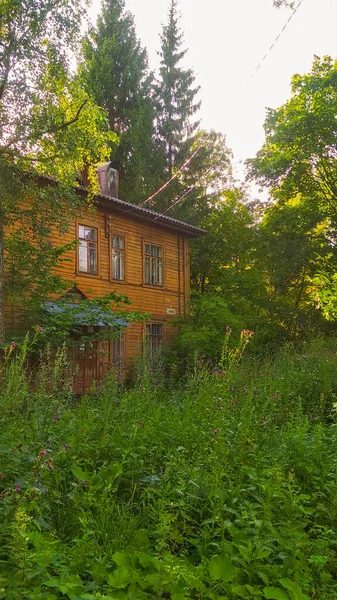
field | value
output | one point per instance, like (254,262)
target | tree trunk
(2,279)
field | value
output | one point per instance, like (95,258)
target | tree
(174,93)
(300,151)
(115,70)
(299,164)
(48,124)
(206,173)
(278,3)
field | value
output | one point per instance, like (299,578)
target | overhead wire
(197,150)
(275,41)
(176,173)
(192,187)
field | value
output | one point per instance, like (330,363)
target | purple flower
(39,329)
(18,489)
(56,417)
(215,431)
(51,467)
(13,344)
(43,452)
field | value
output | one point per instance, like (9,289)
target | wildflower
(1,476)
(244,389)
(228,330)
(13,344)
(18,489)
(231,389)
(275,396)
(39,329)
(43,452)
(56,417)
(215,431)
(51,467)
(274,374)
(248,441)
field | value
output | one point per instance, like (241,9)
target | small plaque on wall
(171,311)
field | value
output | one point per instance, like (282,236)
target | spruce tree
(115,68)
(174,92)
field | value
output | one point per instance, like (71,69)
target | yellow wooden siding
(153,299)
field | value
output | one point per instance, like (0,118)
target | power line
(275,41)
(184,195)
(177,172)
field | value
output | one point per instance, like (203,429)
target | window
(118,350)
(153,339)
(118,257)
(87,250)
(153,264)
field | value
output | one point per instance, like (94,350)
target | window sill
(153,287)
(84,274)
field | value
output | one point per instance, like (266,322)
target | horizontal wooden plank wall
(148,298)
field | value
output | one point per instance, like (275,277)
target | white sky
(226,40)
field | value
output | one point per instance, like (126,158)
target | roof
(83,316)
(140,211)
(151,215)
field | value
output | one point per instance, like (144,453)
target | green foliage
(115,72)
(49,126)
(297,237)
(221,486)
(201,334)
(174,92)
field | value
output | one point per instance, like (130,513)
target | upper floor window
(87,250)
(153,264)
(118,257)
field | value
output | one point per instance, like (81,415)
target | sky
(226,41)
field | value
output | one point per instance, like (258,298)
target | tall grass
(222,486)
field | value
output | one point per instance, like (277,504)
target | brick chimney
(108,179)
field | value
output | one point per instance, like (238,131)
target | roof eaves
(147,212)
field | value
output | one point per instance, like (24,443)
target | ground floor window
(118,350)
(153,339)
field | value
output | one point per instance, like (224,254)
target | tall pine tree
(115,68)
(174,92)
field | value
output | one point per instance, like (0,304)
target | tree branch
(71,121)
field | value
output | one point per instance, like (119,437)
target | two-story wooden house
(134,251)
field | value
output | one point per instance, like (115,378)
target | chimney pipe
(108,180)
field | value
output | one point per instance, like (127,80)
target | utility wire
(177,172)
(275,41)
(183,196)
(197,150)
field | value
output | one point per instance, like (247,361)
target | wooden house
(133,251)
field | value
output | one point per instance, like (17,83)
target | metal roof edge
(157,217)
(127,207)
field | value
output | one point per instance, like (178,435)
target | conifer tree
(116,71)
(174,92)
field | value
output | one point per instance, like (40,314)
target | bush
(219,486)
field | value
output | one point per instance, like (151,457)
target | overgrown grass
(220,487)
